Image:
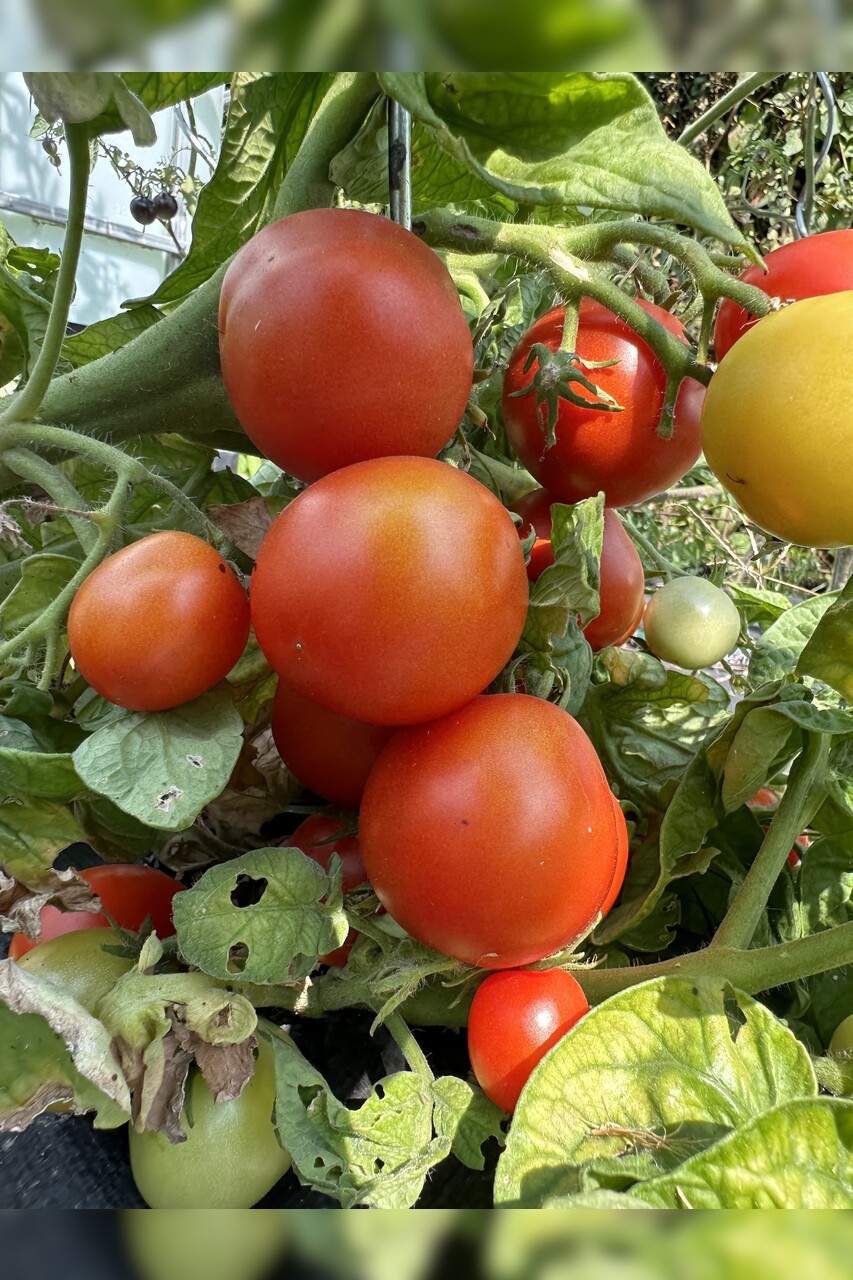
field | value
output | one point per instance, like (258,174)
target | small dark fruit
(143,210)
(166,206)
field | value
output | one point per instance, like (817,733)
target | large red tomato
(807,268)
(515,1018)
(128,892)
(342,338)
(329,753)
(622,577)
(159,622)
(490,834)
(619,453)
(319,837)
(621,858)
(391,591)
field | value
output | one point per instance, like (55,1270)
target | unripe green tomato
(77,963)
(231,1157)
(204,1244)
(842,1037)
(691,623)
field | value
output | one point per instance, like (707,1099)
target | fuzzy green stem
(805,781)
(653,281)
(571,320)
(655,559)
(25,404)
(704,343)
(744,87)
(412,1051)
(35,470)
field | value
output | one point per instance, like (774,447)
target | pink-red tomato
(329,753)
(319,837)
(622,577)
(391,591)
(489,834)
(158,623)
(342,338)
(621,858)
(128,892)
(516,1016)
(807,268)
(619,453)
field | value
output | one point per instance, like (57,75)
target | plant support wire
(805,204)
(400,164)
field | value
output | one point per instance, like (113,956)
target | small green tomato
(691,623)
(842,1037)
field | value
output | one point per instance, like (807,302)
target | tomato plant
(516,1016)
(774,426)
(369,585)
(131,894)
(334,371)
(329,753)
(508,790)
(320,837)
(159,622)
(806,268)
(78,964)
(231,1157)
(619,453)
(622,578)
(690,622)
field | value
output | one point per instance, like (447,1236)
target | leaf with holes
(164,767)
(264,917)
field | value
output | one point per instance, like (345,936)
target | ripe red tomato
(391,591)
(342,338)
(319,837)
(621,858)
(516,1016)
(622,578)
(329,753)
(489,834)
(128,892)
(619,453)
(807,268)
(158,623)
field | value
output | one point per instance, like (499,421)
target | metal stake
(400,163)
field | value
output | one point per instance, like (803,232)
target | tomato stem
(402,1033)
(38,471)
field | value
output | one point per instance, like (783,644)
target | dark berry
(143,210)
(166,206)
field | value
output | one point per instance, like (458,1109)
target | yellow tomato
(777,424)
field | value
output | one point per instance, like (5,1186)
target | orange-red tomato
(489,834)
(516,1016)
(319,837)
(342,338)
(329,753)
(621,858)
(128,892)
(391,591)
(619,453)
(622,578)
(158,623)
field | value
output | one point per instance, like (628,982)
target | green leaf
(468,1118)
(378,1155)
(113,835)
(98,98)
(296,916)
(776,654)
(163,767)
(827,653)
(757,605)
(161,89)
(32,833)
(23,320)
(581,139)
(797,1156)
(27,770)
(43,576)
(52,1050)
(826,883)
(659,1072)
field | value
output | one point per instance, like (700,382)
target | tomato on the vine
(329,753)
(391,591)
(516,1016)
(622,846)
(129,893)
(78,964)
(622,578)
(691,623)
(776,423)
(617,452)
(489,834)
(807,268)
(159,622)
(342,338)
(231,1157)
(319,837)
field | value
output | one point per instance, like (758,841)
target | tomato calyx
(553,379)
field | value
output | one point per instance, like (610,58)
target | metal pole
(400,163)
